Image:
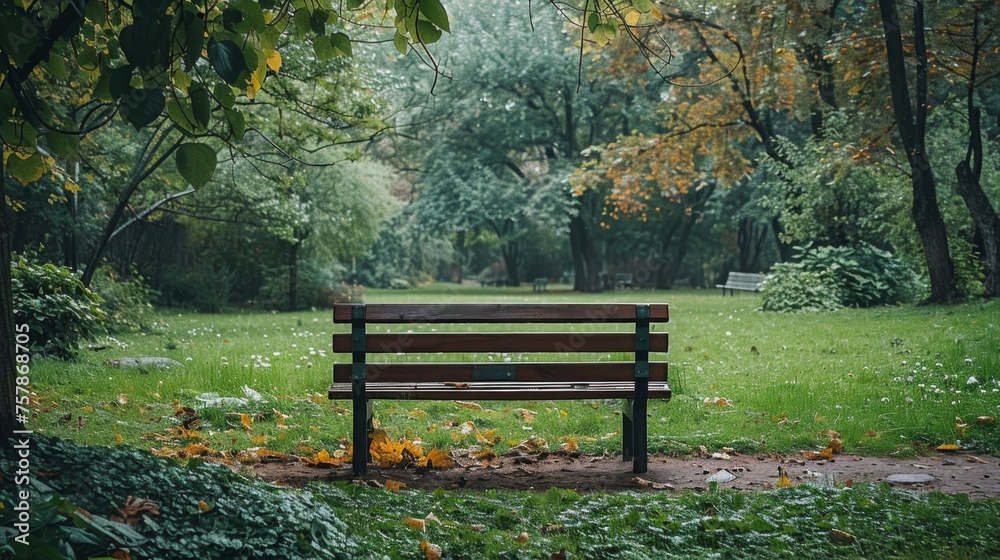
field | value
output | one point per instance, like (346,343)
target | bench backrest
(748,279)
(365,346)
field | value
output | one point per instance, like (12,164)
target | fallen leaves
(469,405)
(783,480)
(835,446)
(134,510)
(431,551)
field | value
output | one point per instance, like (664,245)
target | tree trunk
(665,273)
(458,266)
(586,257)
(750,238)
(969,173)
(8,387)
(512,261)
(293,276)
(987,223)
(912,126)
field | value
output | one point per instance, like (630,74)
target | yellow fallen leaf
(438,459)
(203,506)
(247,421)
(783,480)
(489,437)
(632,17)
(119,438)
(947,447)
(417,413)
(563,413)
(394,485)
(415,524)
(431,551)
(570,444)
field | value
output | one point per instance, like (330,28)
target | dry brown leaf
(134,510)
(526,414)
(203,506)
(417,413)
(641,481)
(522,537)
(431,551)
(561,555)
(841,536)
(469,405)
(458,385)
(985,419)
(570,444)
(394,485)
(247,421)
(467,428)
(971,459)
(415,524)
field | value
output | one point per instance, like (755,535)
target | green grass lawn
(890,380)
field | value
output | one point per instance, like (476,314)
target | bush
(788,288)
(205,511)
(60,530)
(126,302)
(60,311)
(861,276)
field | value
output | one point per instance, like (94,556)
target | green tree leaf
(27,170)
(227,59)
(427,33)
(201,104)
(400,42)
(143,106)
(435,13)
(63,145)
(341,44)
(196,163)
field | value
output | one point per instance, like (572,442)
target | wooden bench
(367,378)
(539,284)
(747,281)
(623,280)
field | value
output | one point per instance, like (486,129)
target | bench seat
(502,391)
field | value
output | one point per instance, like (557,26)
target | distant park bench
(636,381)
(746,281)
(539,284)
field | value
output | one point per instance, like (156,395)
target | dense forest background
(680,145)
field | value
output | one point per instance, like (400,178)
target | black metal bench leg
(640,425)
(360,436)
(628,433)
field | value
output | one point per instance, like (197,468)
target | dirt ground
(979,477)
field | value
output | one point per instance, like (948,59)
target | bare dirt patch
(979,477)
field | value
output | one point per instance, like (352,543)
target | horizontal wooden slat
(499,313)
(499,342)
(569,372)
(501,391)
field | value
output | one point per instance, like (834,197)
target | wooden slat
(507,391)
(569,372)
(500,313)
(499,342)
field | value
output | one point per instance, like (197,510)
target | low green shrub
(60,311)
(789,288)
(126,301)
(58,529)
(205,511)
(825,278)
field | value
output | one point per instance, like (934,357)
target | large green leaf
(63,145)
(119,81)
(341,44)
(26,170)
(226,58)
(142,106)
(201,104)
(435,13)
(13,41)
(196,163)
(427,33)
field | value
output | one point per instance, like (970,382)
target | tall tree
(911,121)
(154,60)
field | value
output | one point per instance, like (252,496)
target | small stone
(721,477)
(906,479)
